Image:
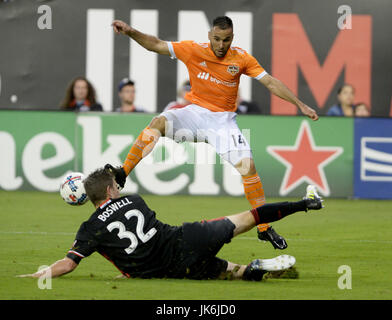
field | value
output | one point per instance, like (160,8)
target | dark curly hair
(69,93)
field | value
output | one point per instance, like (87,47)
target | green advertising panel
(171,168)
(289,152)
(36,149)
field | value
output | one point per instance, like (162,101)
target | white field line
(239,238)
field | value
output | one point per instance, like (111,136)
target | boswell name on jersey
(112,207)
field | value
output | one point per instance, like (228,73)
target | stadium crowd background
(82,97)
(64,55)
(327,57)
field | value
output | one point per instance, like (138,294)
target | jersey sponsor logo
(203,75)
(206,76)
(233,69)
(112,208)
(225,83)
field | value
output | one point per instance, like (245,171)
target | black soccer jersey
(126,232)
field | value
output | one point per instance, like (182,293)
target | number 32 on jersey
(123,233)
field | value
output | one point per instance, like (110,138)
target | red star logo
(304,161)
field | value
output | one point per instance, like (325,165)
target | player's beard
(220,53)
(129,102)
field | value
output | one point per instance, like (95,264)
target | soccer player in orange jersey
(214,72)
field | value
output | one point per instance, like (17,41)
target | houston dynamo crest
(233,69)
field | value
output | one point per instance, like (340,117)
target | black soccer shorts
(201,242)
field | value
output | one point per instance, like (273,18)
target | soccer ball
(72,189)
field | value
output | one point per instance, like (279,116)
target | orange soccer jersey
(214,81)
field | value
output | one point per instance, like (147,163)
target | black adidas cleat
(312,199)
(277,241)
(119,175)
(257,268)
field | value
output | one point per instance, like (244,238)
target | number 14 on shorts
(238,140)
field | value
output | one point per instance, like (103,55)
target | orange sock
(254,192)
(142,146)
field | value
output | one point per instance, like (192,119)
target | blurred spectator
(80,96)
(345,105)
(361,110)
(126,93)
(246,107)
(181,101)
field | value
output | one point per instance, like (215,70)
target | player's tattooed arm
(149,42)
(279,89)
(57,269)
(233,272)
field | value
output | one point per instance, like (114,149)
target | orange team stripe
(141,148)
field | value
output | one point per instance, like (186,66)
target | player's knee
(246,167)
(243,222)
(158,123)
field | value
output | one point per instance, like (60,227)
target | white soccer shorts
(196,124)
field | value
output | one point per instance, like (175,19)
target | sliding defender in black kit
(126,232)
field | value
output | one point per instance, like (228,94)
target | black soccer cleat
(312,199)
(254,271)
(257,268)
(277,241)
(119,175)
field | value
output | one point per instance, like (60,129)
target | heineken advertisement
(39,148)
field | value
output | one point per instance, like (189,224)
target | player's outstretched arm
(149,42)
(279,89)
(57,269)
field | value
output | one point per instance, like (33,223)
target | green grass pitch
(38,228)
